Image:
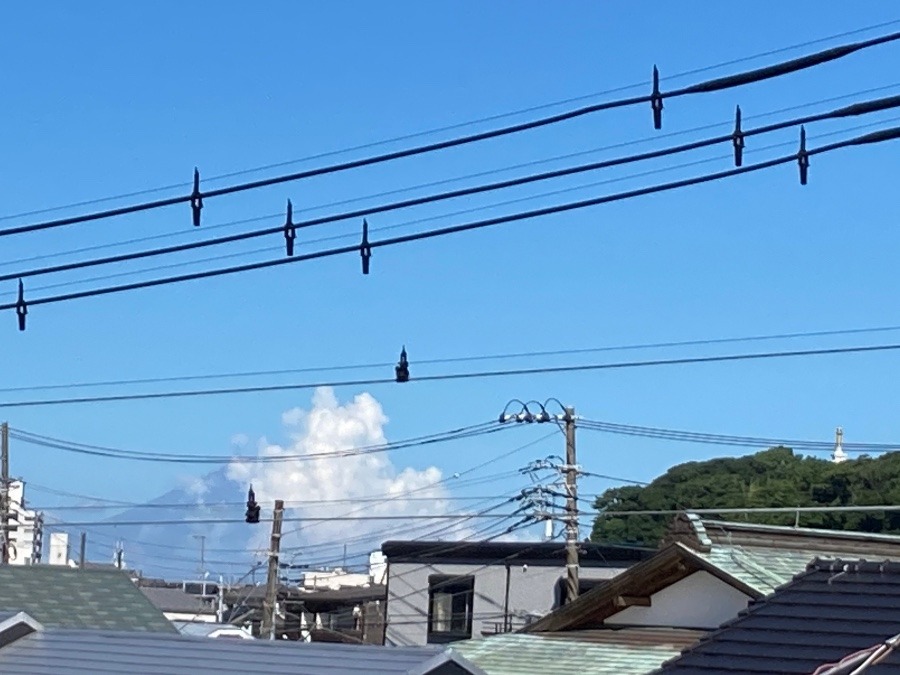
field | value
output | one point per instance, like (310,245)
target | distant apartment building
(26,534)
(25,529)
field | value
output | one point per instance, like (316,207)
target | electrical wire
(871,138)
(298,519)
(222,505)
(763,510)
(471,358)
(452,127)
(854,110)
(708,86)
(405,224)
(730,440)
(185,458)
(445,181)
(622,365)
(492,460)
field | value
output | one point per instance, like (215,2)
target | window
(450,607)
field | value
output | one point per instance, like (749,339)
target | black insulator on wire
(365,249)
(656,101)
(196,199)
(401,370)
(290,230)
(21,306)
(803,157)
(738,138)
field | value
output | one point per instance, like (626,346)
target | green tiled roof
(63,597)
(601,652)
(764,569)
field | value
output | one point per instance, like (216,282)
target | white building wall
(59,549)
(22,539)
(532,590)
(697,601)
(334,579)
(190,617)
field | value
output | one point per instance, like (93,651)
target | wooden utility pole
(4,492)
(571,470)
(267,627)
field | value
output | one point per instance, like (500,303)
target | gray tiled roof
(73,598)
(176,600)
(829,612)
(78,652)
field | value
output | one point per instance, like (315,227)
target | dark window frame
(457,586)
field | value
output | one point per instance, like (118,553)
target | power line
(856,109)
(185,458)
(456,480)
(298,519)
(738,441)
(725,358)
(464,359)
(771,510)
(405,224)
(368,246)
(656,99)
(459,125)
(480,174)
(228,504)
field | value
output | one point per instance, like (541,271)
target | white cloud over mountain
(314,476)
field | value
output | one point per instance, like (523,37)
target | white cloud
(328,427)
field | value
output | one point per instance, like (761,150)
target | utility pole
(202,538)
(4,492)
(267,627)
(571,470)
(81,551)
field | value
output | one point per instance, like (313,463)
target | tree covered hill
(774,477)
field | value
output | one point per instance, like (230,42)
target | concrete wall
(532,590)
(698,601)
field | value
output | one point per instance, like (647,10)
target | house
(351,614)
(27,647)
(65,597)
(836,618)
(705,573)
(768,556)
(439,592)
(178,606)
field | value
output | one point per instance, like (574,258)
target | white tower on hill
(839,455)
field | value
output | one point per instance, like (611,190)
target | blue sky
(108,98)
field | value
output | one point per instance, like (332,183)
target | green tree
(771,478)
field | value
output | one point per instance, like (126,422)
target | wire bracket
(803,157)
(196,199)
(656,101)
(365,249)
(737,138)
(290,231)
(21,306)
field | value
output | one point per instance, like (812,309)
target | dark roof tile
(830,611)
